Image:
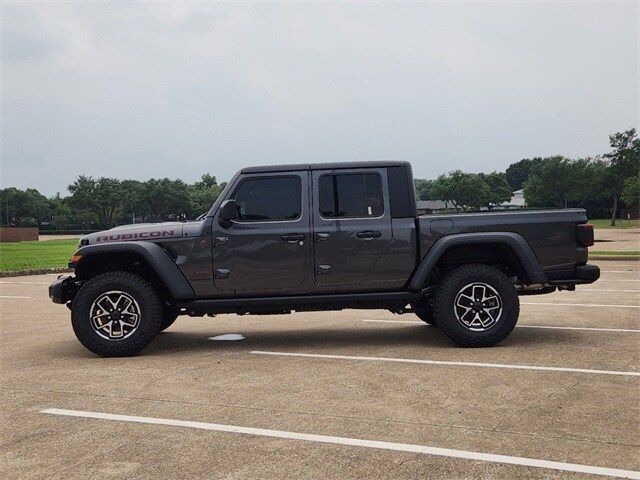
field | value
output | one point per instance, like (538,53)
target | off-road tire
(149,322)
(425,313)
(444,305)
(169,315)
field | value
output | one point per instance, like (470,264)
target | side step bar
(284,304)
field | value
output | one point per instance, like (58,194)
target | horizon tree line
(599,184)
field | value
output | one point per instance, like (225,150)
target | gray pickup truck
(322,237)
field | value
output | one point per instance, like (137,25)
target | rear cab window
(351,195)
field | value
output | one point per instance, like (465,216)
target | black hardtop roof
(321,166)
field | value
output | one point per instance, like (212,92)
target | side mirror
(228,213)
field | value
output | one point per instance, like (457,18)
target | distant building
(517,200)
(427,207)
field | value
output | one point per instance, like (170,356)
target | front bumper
(63,289)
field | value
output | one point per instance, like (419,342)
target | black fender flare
(513,240)
(154,255)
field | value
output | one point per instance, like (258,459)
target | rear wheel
(476,305)
(425,313)
(116,314)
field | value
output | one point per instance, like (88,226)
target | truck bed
(551,233)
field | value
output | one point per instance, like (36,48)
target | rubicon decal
(136,236)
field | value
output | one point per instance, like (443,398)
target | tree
(203,194)
(18,206)
(103,197)
(465,191)
(38,206)
(588,188)
(424,189)
(631,192)
(13,203)
(133,204)
(552,183)
(499,188)
(624,162)
(518,173)
(160,199)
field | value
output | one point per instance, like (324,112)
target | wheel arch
(147,259)
(507,248)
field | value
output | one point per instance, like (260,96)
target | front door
(268,248)
(352,224)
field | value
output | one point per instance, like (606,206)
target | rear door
(351,222)
(269,247)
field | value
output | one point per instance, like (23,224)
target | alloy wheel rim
(478,306)
(115,315)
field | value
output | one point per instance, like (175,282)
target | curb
(37,271)
(615,257)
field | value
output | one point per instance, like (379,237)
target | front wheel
(116,314)
(476,305)
(169,315)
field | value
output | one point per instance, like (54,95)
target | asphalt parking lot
(351,394)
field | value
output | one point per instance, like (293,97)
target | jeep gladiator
(322,237)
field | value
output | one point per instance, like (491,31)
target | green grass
(18,256)
(620,224)
(629,253)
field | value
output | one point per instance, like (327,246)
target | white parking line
(618,280)
(594,329)
(354,442)
(579,304)
(626,330)
(415,322)
(605,290)
(13,296)
(442,362)
(619,271)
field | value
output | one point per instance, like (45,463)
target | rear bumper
(588,273)
(63,289)
(580,275)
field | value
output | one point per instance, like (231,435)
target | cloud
(141,90)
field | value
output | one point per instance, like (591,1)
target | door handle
(369,234)
(322,236)
(293,237)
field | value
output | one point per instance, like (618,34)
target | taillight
(584,232)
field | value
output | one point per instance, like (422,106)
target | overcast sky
(153,90)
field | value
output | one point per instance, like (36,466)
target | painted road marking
(227,337)
(605,290)
(13,296)
(355,442)
(442,362)
(618,280)
(415,322)
(619,271)
(579,304)
(626,330)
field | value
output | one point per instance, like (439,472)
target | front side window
(351,195)
(264,199)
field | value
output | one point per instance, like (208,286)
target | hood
(136,231)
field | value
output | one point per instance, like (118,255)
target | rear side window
(264,199)
(351,195)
